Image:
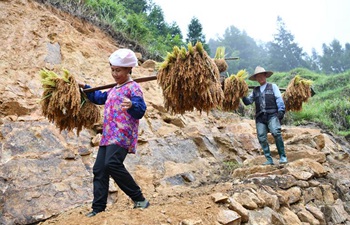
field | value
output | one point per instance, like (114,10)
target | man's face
(261,78)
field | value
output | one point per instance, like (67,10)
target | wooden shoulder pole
(138,80)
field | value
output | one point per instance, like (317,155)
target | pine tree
(136,6)
(195,34)
(334,58)
(285,54)
(156,20)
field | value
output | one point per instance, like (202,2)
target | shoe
(267,163)
(141,204)
(91,214)
(283,160)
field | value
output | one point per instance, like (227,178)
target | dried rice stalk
(62,102)
(235,88)
(190,79)
(297,92)
(89,114)
(219,59)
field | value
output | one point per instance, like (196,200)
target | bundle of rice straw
(64,104)
(190,80)
(219,59)
(297,92)
(235,88)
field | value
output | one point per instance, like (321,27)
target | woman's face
(120,74)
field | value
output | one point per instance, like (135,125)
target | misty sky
(312,22)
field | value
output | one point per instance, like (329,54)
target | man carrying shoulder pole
(269,111)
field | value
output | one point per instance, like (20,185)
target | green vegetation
(143,24)
(138,24)
(229,166)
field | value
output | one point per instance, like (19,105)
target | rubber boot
(280,149)
(267,153)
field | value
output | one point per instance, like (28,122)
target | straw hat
(259,70)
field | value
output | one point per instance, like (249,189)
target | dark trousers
(109,162)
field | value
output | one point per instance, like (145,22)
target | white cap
(123,58)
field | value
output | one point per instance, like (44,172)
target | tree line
(143,21)
(282,54)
